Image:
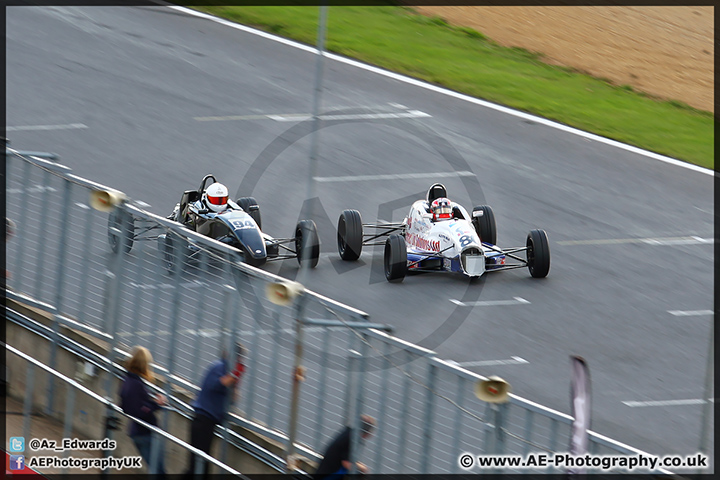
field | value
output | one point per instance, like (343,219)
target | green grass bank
(461,59)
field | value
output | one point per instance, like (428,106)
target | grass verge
(461,59)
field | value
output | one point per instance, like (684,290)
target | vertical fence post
(272,398)
(27,404)
(428,418)
(402,441)
(85,263)
(359,402)
(203,258)
(178,266)
(347,404)
(254,352)
(460,395)
(552,444)
(322,375)
(500,413)
(40,267)
(382,408)
(230,307)
(113,289)
(112,293)
(21,226)
(69,411)
(137,299)
(59,290)
(296,382)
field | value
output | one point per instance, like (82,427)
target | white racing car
(440,236)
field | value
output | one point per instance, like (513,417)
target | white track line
(396,176)
(691,240)
(300,117)
(69,126)
(667,403)
(491,303)
(487,363)
(690,313)
(447,92)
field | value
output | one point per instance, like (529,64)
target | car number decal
(242,224)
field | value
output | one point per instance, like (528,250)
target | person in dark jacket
(336,461)
(135,400)
(213,402)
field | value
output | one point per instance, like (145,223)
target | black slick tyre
(395,260)
(538,253)
(122,221)
(484,224)
(173,250)
(307,243)
(350,235)
(250,205)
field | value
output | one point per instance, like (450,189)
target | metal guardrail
(426,410)
(112,409)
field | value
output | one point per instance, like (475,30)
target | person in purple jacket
(213,402)
(135,400)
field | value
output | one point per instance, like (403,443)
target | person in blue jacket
(213,402)
(135,400)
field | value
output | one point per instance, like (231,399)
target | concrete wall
(89,414)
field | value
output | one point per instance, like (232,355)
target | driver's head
(441,209)
(216,197)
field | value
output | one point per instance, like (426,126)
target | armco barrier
(427,413)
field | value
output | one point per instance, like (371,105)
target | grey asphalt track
(143,83)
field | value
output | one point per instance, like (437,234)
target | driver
(441,209)
(215,197)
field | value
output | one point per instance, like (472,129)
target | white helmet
(216,197)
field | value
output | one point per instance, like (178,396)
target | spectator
(213,402)
(135,400)
(336,461)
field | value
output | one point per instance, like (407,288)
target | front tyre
(538,253)
(250,205)
(123,222)
(395,258)
(350,235)
(483,219)
(307,243)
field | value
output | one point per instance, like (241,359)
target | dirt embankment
(666,52)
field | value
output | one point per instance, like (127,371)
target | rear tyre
(350,235)
(123,222)
(485,224)
(395,258)
(538,253)
(307,243)
(250,205)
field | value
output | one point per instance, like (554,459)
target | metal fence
(73,388)
(61,260)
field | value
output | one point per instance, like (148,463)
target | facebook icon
(17,462)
